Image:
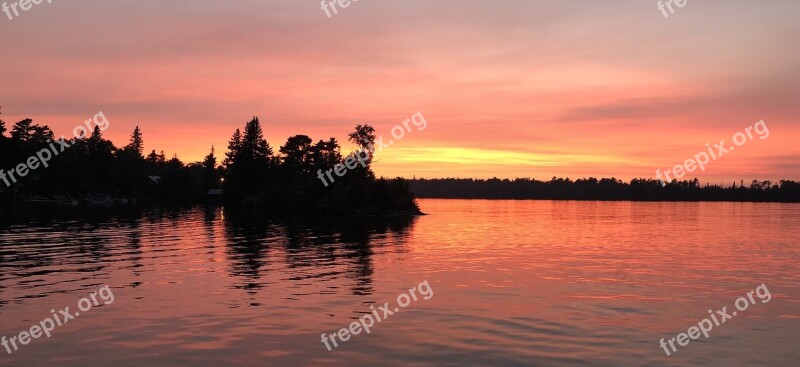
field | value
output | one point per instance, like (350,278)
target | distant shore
(606,189)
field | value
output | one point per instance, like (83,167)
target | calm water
(515,283)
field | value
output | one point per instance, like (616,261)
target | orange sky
(509,89)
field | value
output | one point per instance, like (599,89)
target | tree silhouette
(210,161)
(256,179)
(6,152)
(254,147)
(639,189)
(136,144)
(2,127)
(364,137)
(249,162)
(210,174)
(297,154)
(234,147)
(26,131)
(326,154)
(92,166)
(152,157)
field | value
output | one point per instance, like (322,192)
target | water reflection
(36,243)
(517,283)
(312,248)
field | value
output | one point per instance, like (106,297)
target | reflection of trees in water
(247,250)
(210,221)
(248,239)
(88,242)
(315,249)
(52,241)
(84,242)
(134,246)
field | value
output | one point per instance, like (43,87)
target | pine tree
(20,130)
(210,176)
(234,147)
(137,143)
(249,161)
(210,161)
(97,146)
(96,134)
(152,157)
(27,131)
(254,146)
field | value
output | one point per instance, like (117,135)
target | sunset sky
(509,88)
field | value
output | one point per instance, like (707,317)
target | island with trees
(297,179)
(250,177)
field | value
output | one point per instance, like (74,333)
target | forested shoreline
(250,176)
(639,189)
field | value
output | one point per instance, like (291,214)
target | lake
(509,283)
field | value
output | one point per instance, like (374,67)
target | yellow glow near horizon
(459,155)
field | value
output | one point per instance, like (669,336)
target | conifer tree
(234,147)
(137,143)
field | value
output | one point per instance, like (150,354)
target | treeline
(639,189)
(251,174)
(93,166)
(291,180)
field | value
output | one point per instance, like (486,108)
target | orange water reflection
(515,283)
